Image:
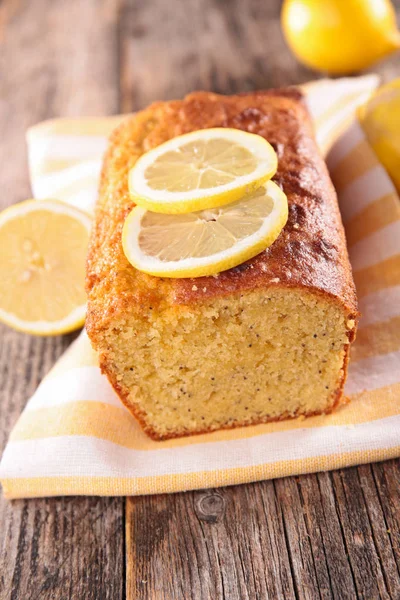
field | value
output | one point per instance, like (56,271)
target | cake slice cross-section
(265,341)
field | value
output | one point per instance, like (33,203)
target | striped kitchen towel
(75,437)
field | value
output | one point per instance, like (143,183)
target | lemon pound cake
(263,341)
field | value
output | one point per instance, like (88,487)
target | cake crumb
(296,226)
(194,288)
(204,289)
(275,280)
(26,276)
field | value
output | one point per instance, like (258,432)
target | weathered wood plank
(379,529)
(309,572)
(227,543)
(368,571)
(316,536)
(226,47)
(63,548)
(327,539)
(387,479)
(56,58)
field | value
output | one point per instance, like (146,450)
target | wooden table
(329,535)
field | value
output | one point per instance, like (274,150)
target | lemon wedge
(380,119)
(42,266)
(202,169)
(340,36)
(208,241)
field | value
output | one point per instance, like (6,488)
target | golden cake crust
(311,250)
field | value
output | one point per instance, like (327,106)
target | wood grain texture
(226,47)
(53,61)
(329,535)
(226,543)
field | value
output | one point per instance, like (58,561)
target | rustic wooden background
(330,535)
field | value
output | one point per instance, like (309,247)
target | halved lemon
(202,169)
(43,245)
(208,241)
(380,119)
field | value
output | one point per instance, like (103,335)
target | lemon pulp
(208,241)
(202,169)
(42,264)
(200,165)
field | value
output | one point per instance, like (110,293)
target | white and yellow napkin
(75,437)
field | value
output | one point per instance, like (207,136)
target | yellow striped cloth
(75,437)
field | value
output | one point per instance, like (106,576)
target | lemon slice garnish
(199,170)
(380,119)
(43,246)
(208,241)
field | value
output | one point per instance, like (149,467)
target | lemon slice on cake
(202,169)
(208,241)
(43,246)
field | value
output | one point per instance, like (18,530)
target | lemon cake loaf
(264,341)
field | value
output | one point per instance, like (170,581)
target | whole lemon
(340,36)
